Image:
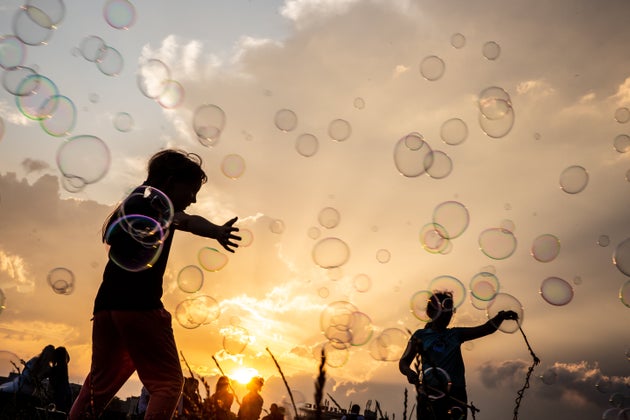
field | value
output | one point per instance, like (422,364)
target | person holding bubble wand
(442,392)
(131,329)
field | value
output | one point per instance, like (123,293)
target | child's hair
(173,164)
(439,301)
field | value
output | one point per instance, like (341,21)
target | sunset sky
(330,106)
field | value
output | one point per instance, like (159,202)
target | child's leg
(111,367)
(151,344)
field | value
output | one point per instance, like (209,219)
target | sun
(244,374)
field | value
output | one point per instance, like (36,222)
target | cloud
(14,273)
(34,165)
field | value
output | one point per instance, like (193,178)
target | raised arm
(198,225)
(488,328)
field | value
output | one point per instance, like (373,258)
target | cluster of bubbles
(155,82)
(307,144)
(107,58)
(82,159)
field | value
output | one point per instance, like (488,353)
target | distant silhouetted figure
(442,392)
(59,382)
(275,413)
(251,407)
(220,403)
(29,381)
(131,330)
(354,413)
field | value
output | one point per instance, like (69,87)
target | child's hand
(226,238)
(412,378)
(508,315)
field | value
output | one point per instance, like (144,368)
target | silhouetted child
(442,392)
(131,330)
(251,407)
(275,413)
(354,413)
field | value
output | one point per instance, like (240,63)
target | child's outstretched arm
(224,234)
(404,364)
(489,327)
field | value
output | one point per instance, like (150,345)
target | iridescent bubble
(190,279)
(622,115)
(211,259)
(152,77)
(92,47)
(235,339)
(337,315)
(389,345)
(577,280)
(484,286)
(13,77)
(419,303)
(361,329)
(26,26)
(84,156)
(197,311)
(432,68)
(329,217)
(573,179)
(506,302)
(306,144)
(337,353)
(433,238)
(545,248)
(359,103)
(276,226)
(508,224)
(482,305)
(454,131)
(339,129)
(35,102)
(61,280)
(233,166)
(458,40)
(62,117)
(47,13)
(285,120)
(313,232)
(73,184)
(452,217)
(123,122)
(323,292)
(383,256)
(119,14)
(12,51)
(624,293)
(438,164)
(94,98)
(410,154)
(208,124)
(497,128)
(110,62)
(136,242)
(497,243)
(151,202)
(330,252)
(556,291)
(494,103)
(617,399)
(362,283)
(449,284)
(172,96)
(491,50)
(622,143)
(247,237)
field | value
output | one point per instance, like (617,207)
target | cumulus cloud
(14,273)
(34,165)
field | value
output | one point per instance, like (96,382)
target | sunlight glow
(244,374)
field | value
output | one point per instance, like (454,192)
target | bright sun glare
(244,375)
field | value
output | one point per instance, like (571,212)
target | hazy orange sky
(317,95)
